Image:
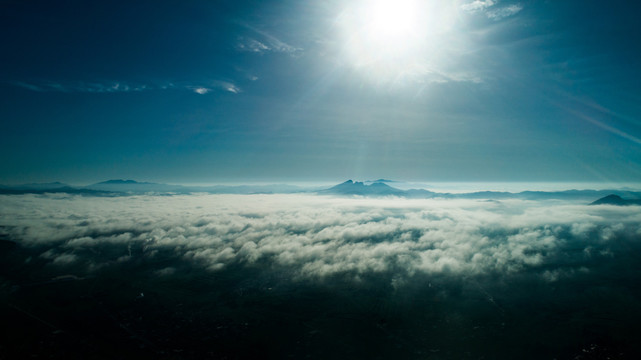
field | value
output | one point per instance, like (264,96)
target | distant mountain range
(376,188)
(351,188)
(119,187)
(133,186)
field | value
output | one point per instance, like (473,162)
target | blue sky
(220,91)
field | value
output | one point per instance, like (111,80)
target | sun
(385,30)
(391,20)
(385,38)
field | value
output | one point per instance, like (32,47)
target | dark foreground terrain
(128,311)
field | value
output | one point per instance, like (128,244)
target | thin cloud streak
(81,86)
(608,128)
(587,107)
(268,43)
(123,87)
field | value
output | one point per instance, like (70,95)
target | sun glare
(386,29)
(392,20)
(386,38)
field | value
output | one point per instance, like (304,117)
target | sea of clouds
(314,237)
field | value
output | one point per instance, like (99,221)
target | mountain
(421,194)
(249,189)
(613,199)
(120,187)
(122,182)
(379,188)
(133,186)
(36,186)
(51,187)
(17,190)
(380,181)
(350,187)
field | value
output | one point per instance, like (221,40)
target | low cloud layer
(311,276)
(315,237)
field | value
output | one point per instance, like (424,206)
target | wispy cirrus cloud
(215,85)
(478,5)
(498,14)
(426,74)
(489,9)
(251,45)
(201,88)
(227,86)
(82,86)
(261,42)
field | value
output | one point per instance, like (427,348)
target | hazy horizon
(436,186)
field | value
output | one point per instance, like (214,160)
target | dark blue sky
(219,91)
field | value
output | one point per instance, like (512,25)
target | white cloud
(209,87)
(488,8)
(478,5)
(251,45)
(201,90)
(317,236)
(498,14)
(230,87)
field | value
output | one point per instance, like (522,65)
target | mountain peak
(350,187)
(121,181)
(613,199)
